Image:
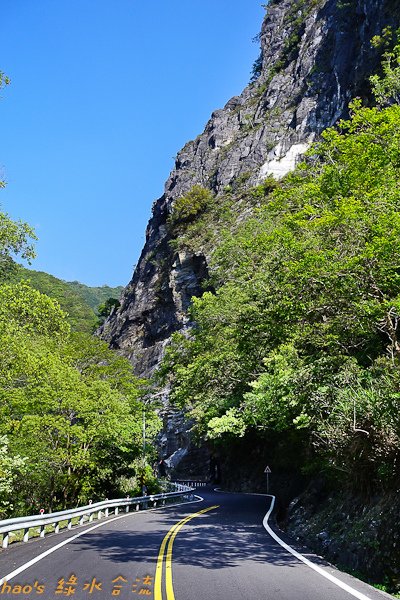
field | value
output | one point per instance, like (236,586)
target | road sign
(267,471)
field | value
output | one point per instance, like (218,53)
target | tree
(14,239)
(70,412)
(11,468)
(386,88)
(71,407)
(302,332)
(27,309)
(106,308)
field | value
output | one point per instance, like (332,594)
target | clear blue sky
(103,94)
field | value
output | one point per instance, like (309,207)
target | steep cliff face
(316,56)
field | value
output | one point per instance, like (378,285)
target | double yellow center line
(169,539)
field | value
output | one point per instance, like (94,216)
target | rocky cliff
(315,56)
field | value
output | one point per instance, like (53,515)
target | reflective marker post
(267,471)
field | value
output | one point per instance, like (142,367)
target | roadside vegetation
(299,337)
(70,409)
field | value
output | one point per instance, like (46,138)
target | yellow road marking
(169,539)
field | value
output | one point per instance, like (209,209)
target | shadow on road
(224,537)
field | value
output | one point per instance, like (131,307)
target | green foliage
(4,80)
(189,206)
(143,482)
(94,296)
(302,331)
(204,233)
(386,89)
(386,40)
(105,309)
(11,468)
(257,68)
(77,300)
(70,408)
(14,239)
(230,423)
(26,309)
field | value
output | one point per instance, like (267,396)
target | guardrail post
(99,514)
(91,517)
(57,527)
(6,537)
(106,513)
(127,508)
(42,531)
(116,510)
(26,534)
(81,520)
(137,506)
(69,524)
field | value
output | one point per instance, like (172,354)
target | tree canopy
(70,409)
(302,331)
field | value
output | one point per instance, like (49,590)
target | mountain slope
(94,296)
(315,56)
(79,301)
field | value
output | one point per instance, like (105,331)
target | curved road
(215,548)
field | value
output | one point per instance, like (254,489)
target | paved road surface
(213,549)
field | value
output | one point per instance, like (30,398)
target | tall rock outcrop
(315,56)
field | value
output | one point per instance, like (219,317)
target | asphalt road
(215,549)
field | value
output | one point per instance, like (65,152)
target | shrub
(189,206)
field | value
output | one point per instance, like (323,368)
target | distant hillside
(94,296)
(79,301)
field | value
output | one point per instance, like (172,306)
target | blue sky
(103,94)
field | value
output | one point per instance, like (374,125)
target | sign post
(267,471)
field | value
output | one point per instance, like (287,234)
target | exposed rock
(279,167)
(316,56)
(175,458)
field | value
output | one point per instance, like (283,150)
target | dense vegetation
(70,408)
(301,337)
(71,411)
(94,296)
(81,303)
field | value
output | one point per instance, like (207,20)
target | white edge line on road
(74,537)
(305,560)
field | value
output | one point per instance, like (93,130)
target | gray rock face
(316,56)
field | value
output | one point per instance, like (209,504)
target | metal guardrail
(101,508)
(191,483)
